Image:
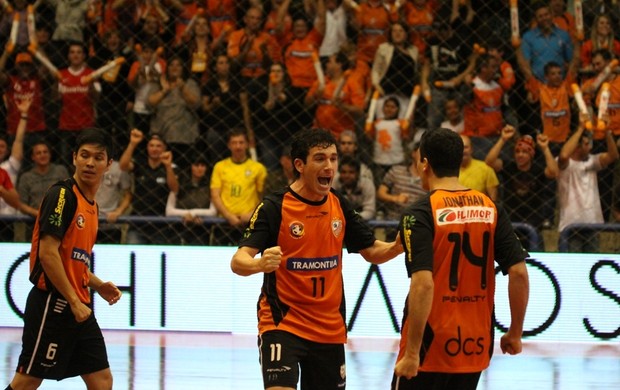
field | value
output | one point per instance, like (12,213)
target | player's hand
(511,344)
(135,136)
(113,216)
(109,292)
(508,132)
(407,366)
(270,261)
(234,220)
(23,105)
(542,141)
(166,158)
(584,119)
(402,198)
(81,312)
(165,84)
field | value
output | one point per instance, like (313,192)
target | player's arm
(244,262)
(569,147)
(382,251)
(419,302)
(492,192)
(575,62)
(17,150)
(551,165)
(10,196)
(55,272)
(523,63)
(107,290)
(611,154)
(171,176)
(122,206)
(518,295)
(125,162)
(218,202)
(493,157)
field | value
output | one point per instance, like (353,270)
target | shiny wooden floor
(178,361)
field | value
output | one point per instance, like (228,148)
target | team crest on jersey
(296,229)
(80,222)
(337,227)
(554,102)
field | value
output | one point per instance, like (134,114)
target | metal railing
(533,237)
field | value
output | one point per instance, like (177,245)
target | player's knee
(24,382)
(101,380)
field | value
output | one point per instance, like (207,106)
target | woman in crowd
(175,118)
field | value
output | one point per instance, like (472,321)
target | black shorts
(437,381)
(54,345)
(283,355)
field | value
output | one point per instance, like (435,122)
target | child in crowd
(388,136)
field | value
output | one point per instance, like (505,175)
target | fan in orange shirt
(251,47)
(340,101)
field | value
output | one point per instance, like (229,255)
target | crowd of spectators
(202,97)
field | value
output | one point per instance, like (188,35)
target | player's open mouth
(325,180)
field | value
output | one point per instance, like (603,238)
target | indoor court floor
(144,360)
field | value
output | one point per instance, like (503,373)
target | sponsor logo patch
(463,215)
(55,220)
(81,255)
(312,264)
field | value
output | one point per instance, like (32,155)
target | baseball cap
(23,57)
(158,137)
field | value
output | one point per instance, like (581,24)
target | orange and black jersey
(458,235)
(65,213)
(305,295)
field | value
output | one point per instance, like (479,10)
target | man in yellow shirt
(475,174)
(237,185)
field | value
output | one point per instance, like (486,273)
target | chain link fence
(192,76)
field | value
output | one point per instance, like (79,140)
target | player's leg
(280,354)
(48,337)
(465,381)
(24,382)
(90,357)
(437,381)
(424,380)
(324,368)
(99,380)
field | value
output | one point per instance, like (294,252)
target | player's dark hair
(443,148)
(307,139)
(94,136)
